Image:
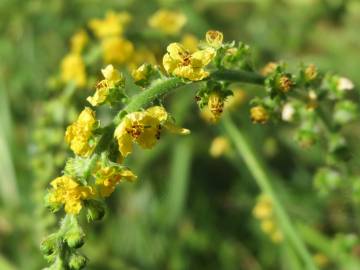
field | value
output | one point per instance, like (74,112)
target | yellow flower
(141,56)
(78,134)
(141,73)
(108,177)
(112,25)
(268,68)
(168,22)
(216,105)
(214,38)
(144,128)
(285,83)
(259,114)
(219,146)
(112,78)
(263,208)
(311,72)
(234,101)
(70,193)
(116,50)
(73,69)
(180,62)
(78,41)
(190,43)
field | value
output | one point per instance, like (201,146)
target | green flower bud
(75,238)
(345,112)
(48,245)
(95,210)
(77,261)
(327,179)
(306,138)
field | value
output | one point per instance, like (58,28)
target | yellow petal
(158,112)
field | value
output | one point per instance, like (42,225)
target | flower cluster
(263,211)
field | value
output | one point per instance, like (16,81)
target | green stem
(263,180)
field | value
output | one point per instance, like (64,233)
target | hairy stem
(257,170)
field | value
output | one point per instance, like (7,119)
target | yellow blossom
(78,134)
(141,73)
(73,69)
(277,236)
(259,114)
(112,25)
(311,72)
(321,260)
(285,83)
(140,57)
(168,22)
(190,43)
(219,146)
(216,105)
(108,177)
(268,68)
(78,41)
(112,78)
(144,128)
(234,101)
(180,62)
(67,191)
(116,50)
(214,38)
(263,208)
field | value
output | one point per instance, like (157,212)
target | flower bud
(259,114)
(214,38)
(306,138)
(75,237)
(48,245)
(327,179)
(216,105)
(77,261)
(285,83)
(310,73)
(345,112)
(95,211)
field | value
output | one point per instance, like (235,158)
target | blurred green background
(188,210)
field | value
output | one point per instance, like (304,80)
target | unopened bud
(216,105)
(285,83)
(214,38)
(259,114)
(77,261)
(75,238)
(95,211)
(310,73)
(48,245)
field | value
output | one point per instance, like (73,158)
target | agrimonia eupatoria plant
(315,102)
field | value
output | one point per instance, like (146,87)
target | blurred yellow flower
(263,211)
(112,78)
(168,22)
(214,38)
(234,101)
(144,128)
(219,146)
(67,191)
(259,114)
(112,25)
(141,56)
(116,50)
(190,43)
(268,68)
(180,62)
(108,177)
(78,134)
(73,70)
(78,41)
